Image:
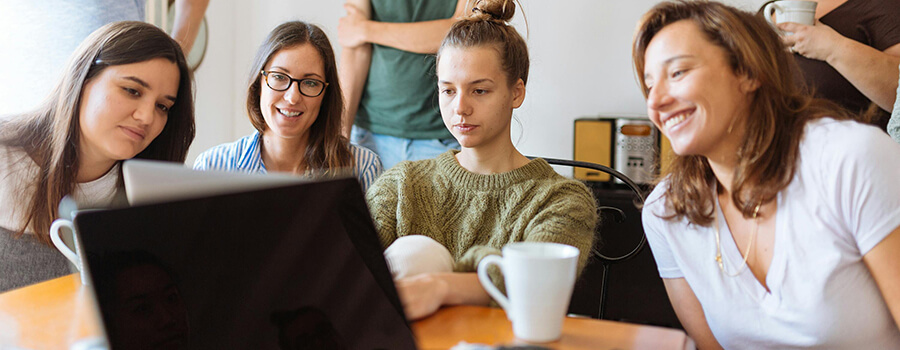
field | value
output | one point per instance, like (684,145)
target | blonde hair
(487,24)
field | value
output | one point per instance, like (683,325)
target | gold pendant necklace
(719,259)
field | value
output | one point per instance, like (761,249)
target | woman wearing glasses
(294,102)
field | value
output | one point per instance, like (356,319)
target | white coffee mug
(797,11)
(67,244)
(539,278)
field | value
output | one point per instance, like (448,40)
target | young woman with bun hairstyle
(778,222)
(439,217)
(125,93)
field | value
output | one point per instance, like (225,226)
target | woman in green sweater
(472,202)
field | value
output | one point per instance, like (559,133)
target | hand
(351,28)
(421,295)
(816,42)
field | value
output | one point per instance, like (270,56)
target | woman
(125,93)
(439,217)
(294,102)
(850,56)
(778,222)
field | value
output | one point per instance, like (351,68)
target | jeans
(393,150)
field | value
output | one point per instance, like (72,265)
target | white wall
(580,64)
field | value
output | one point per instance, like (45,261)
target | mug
(539,278)
(803,12)
(68,244)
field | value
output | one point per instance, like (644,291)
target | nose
(292,94)
(145,112)
(659,97)
(462,107)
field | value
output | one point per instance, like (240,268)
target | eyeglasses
(281,82)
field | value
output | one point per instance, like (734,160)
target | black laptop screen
(297,267)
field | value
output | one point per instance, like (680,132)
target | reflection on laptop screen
(297,267)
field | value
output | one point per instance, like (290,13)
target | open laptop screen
(295,267)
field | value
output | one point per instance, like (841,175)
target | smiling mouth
(676,119)
(289,114)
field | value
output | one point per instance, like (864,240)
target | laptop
(153,181)
(292,267)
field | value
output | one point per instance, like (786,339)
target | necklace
(744,265)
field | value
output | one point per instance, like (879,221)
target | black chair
(638,290)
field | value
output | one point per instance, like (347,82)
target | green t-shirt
(400,96)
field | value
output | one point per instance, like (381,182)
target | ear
(518,93)
(748,84)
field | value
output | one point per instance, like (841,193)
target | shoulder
(655,204)
(832,140)
(364,157)
(226,155)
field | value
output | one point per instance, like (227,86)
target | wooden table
(41,317)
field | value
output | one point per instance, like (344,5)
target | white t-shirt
(17,174)
(843,200)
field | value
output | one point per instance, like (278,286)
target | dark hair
(488,25)
(327,148)
(50,135)
(779,111)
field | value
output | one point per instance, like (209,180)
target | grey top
(25,261)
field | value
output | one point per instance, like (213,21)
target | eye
(163,108)
(447,91)
(480,91)
(131,91)
(678,73)
(278,76)
(312,83)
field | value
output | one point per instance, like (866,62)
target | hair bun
(500,10)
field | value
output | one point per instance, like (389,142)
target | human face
(289,114)
(124,108)
(695,97)
(149,312)
(475,97)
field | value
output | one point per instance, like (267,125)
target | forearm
(419,37)
(463,288)
(872,72)
(188,17)
(353,72)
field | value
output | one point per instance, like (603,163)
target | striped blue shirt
(244,155)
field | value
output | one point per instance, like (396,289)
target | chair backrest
(635,287)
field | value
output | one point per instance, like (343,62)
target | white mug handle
(56,237)
(489,286)
(770,9)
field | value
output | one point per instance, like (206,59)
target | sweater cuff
(469,263)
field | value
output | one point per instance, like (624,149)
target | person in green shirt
(387,71)
(464,205)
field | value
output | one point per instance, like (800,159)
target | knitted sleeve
(382,198)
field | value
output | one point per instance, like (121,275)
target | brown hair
(327,148)
(779,111)
(50,135)
(487,25)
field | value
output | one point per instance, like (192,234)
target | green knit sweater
(475,215)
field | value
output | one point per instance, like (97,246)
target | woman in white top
(125,93)
(294,102)
(778,222)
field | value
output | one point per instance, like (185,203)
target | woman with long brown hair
(778,222)
(125,93)
(294,102)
